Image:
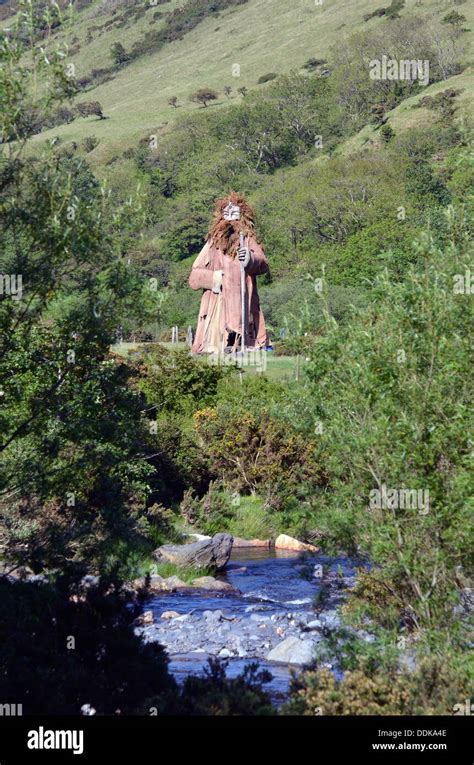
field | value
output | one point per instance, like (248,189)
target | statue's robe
(220,313)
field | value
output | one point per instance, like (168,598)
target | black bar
(125,739)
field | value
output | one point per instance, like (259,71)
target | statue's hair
(225,234)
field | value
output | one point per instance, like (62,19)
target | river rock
(158,583)
(285,542)
(212,616)
(208,553)
(239,542)
(211,583)
(292,650)
(145,619)
(330,619)
(169,614)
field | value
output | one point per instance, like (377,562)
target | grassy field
(283,368)
(261,36)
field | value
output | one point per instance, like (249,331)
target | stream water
(278,599)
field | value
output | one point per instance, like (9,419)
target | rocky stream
(274,606)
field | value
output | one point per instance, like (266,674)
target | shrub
(387,132)
(241,516)
(89,143)
(256,452)
(88,108)
(434,688)
(214,694)
(313,64)
(391,11)
(173,381)
(119,54)
(454,18)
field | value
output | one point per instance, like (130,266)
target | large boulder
(210,553)
(293,650)
(210,583)
(285,542)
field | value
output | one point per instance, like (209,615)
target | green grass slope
(261,36)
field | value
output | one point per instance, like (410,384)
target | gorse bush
(253,452)
(435,688)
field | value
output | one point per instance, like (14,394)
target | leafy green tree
(454,18)
(422,182)
(71,473)
(119,54)
(204,96)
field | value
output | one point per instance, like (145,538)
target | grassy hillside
(336,207)
(261,36)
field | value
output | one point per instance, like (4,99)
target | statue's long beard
(225,234)
(230,236)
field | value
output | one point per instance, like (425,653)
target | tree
(88,108)
(227,90)
(243,91)
(119,54)
(173,101)
(69,422)
(203,96)
(455,19)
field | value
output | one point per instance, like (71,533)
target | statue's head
(232,215)
(233,207)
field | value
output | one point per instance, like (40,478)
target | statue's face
(231,212)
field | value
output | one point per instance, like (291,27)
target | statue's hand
(244,255)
